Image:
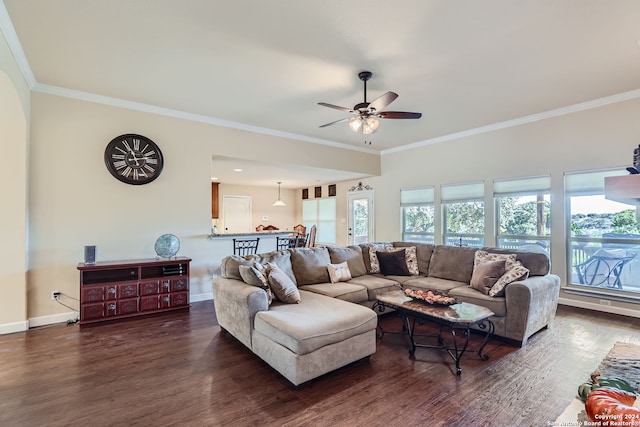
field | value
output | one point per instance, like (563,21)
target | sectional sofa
(332,324)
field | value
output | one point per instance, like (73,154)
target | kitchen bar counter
(273,233)
(268,240)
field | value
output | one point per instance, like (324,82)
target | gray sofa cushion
(310,265)
(230,266)
(452,262)
(467,294)
(314,323)
(423,251)
(537,263)
(344,291)
(375,284)
(433,283)
(352,255)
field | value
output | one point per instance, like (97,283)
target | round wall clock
(167,245)
(133,159)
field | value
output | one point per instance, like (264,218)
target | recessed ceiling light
(237,170)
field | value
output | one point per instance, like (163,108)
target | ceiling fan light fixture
(370,125)
(279,203)
(355,124)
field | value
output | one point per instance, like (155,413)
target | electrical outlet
(55,294)
(605,302)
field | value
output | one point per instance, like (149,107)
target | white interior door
(360,217)
(236,214)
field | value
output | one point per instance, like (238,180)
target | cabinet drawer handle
(112,291)
(111,307)
(166,299)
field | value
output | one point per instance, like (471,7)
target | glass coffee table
(457,317)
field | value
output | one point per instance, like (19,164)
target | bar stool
(245,246)
(286,242)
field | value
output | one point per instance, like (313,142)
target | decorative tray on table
(430,297)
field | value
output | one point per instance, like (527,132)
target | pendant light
(279,202)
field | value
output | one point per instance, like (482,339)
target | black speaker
(89,254)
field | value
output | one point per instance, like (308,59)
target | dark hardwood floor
(179,369)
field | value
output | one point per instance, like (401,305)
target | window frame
(522,187)
(575,188)
(425,200)
(470,192)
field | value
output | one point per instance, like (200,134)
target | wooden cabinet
(215,204)
(121,289)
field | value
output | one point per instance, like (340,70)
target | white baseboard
(201,297)
(598,307)
(10,328)
(34,322)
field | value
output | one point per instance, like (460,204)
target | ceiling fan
(366,114)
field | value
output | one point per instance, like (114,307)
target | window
(604,235)
(523,211)
(322,213)
(417,210)
(463,213)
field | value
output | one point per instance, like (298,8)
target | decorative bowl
(430,297)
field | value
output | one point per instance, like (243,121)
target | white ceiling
(264,65)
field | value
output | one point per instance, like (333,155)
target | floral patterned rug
(622,361)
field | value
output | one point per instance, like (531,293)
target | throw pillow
(515,271)
(393,263)
(485,275)
(481,257)
(411,257)
(256,275)
(282,286)
(309,265)
(373,257)
(352,255)
(339,272)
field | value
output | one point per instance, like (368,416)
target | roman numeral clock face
(133,159)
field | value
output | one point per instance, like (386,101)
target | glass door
(360,218)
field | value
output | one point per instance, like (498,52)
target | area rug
(622,361)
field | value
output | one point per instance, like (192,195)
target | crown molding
(9,32)
(16,48)
(587,105)
(147,108)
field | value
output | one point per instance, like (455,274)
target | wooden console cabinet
(120,289)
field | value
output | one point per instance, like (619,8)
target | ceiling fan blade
(383,100)
(324,104)
(333,123)
(398,115)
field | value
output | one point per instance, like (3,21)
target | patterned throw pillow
(256,275)
(339,272)
(411,256)
(514,270)
(373,258)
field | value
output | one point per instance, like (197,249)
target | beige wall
(262,200)
(14,111)
(75,202)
